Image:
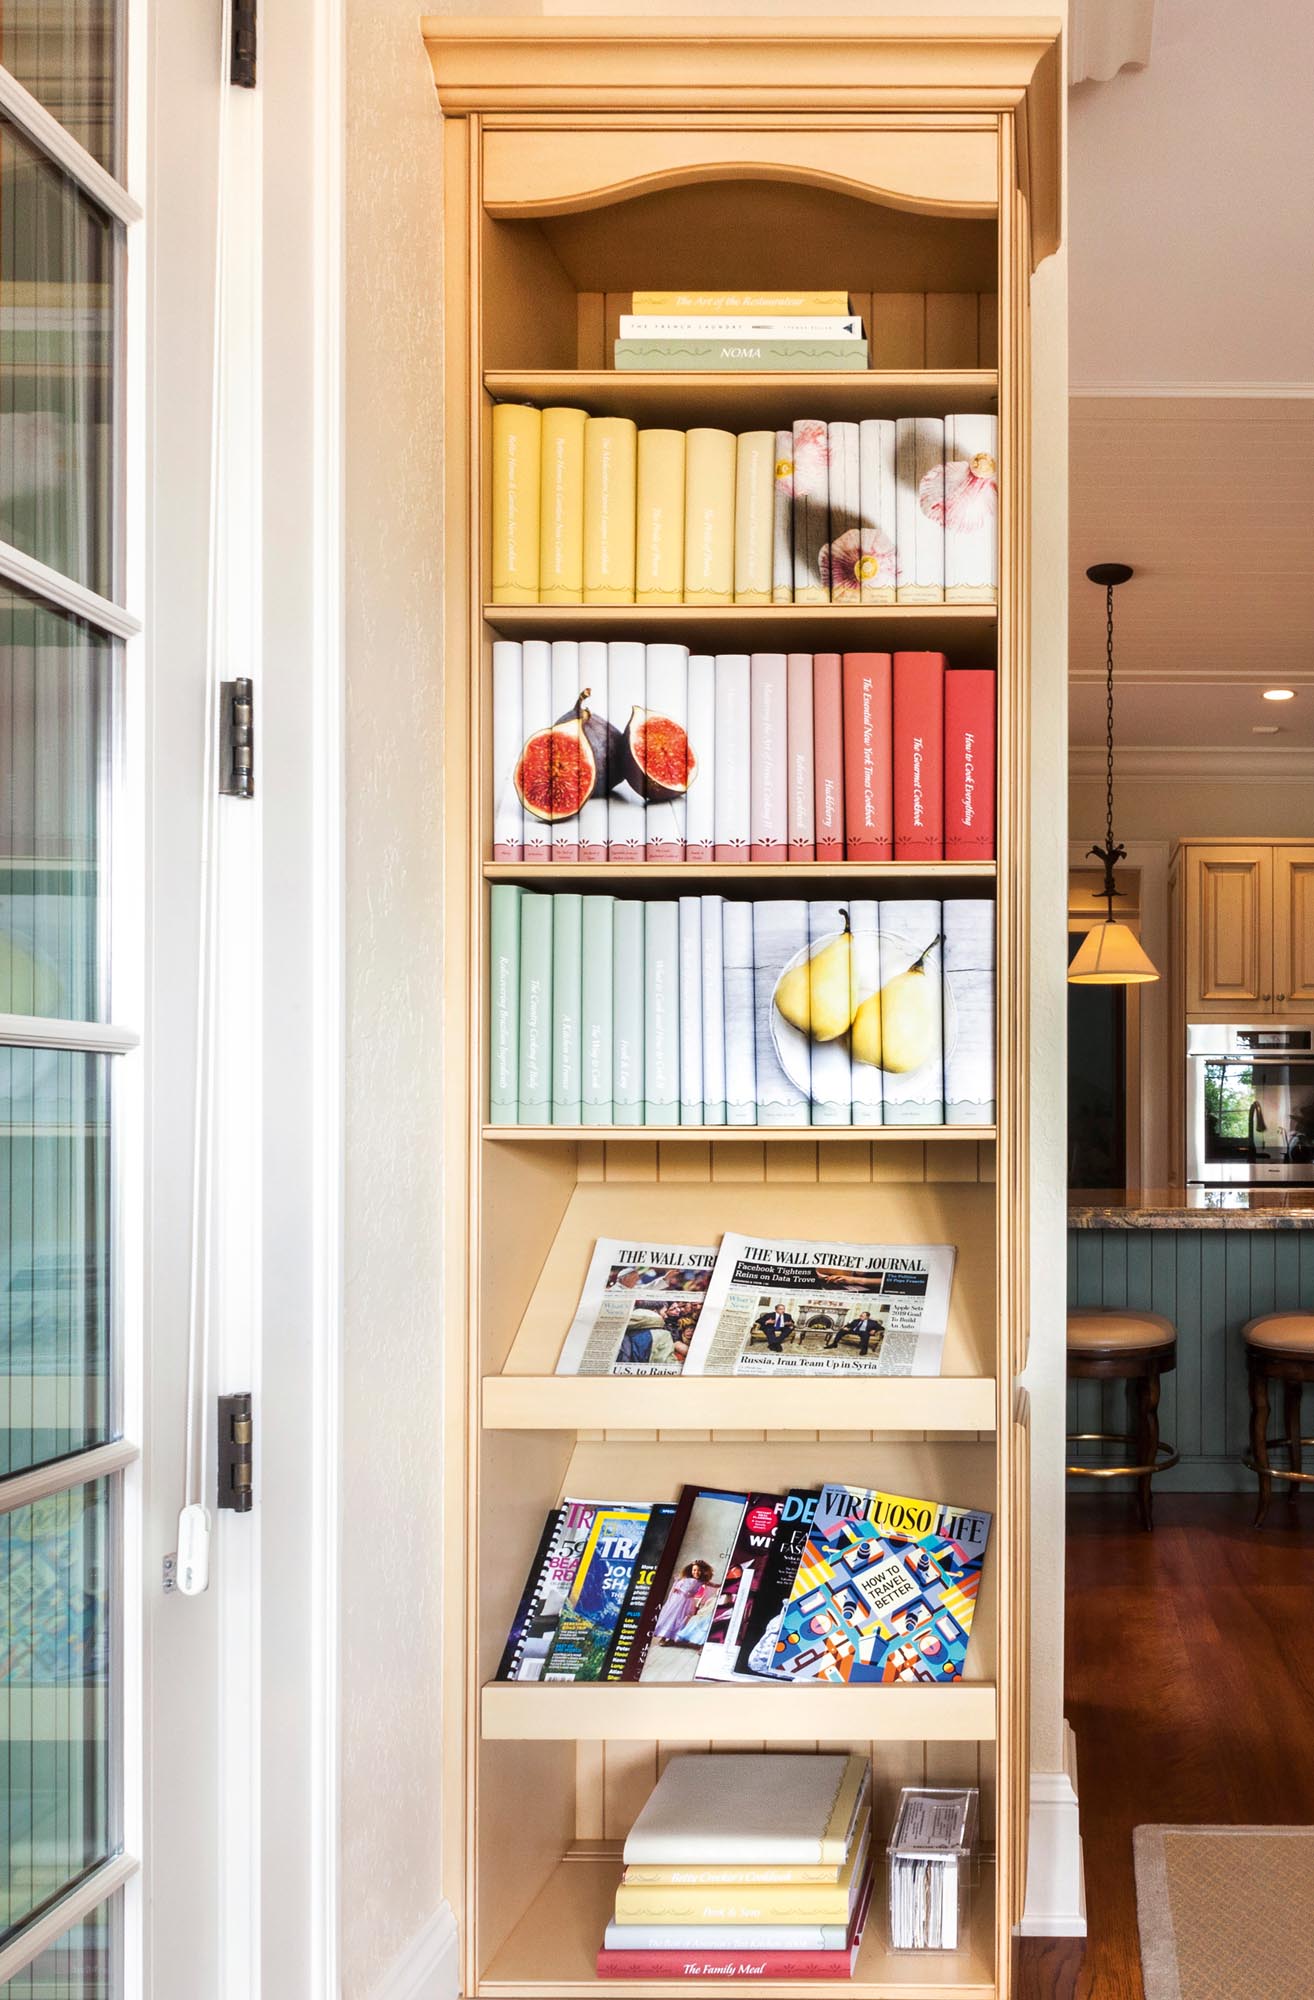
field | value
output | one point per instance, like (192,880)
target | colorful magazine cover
(638,1311)
(719,1660)
(885,1591)
(646,1565)
(757,1644)
(684,1593)
(554,1572)
(596,1596)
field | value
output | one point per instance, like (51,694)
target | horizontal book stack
(746,1865)
(621,751)
(891,510)
(703,1010)
(779,332)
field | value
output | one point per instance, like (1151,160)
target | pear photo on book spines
(560,769)
(815,996)
(898,1028)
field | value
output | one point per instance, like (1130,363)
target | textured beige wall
(1269,808)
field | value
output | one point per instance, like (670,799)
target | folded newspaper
(795,1308)
(639,1309)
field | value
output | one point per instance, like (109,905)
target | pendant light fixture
(1110,953)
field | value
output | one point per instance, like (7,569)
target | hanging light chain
(1108,786)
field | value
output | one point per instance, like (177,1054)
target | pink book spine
(828,756)
(725,1964)
(868,757)
(799,739)
(769,758)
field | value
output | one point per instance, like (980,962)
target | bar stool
(1280,1347)
(1125,1345)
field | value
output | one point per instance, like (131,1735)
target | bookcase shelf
(608,874)
(844,1135)
(965,631)
(534,1711)
(749,401)
(805,1404)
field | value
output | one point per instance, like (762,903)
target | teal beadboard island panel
(1209,1282)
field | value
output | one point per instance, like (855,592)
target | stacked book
(890,510)
(746,1866)
(774,332)
(703,1010)
(620,751)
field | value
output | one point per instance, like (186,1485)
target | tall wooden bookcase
(916,166)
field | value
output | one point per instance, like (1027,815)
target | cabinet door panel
(1229,954)
(1293,927)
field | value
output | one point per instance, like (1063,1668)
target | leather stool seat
(1285,1333)
(1092,1330)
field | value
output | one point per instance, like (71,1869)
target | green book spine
(567,938)
(661,1013)
(504,1007)
(744,356)
(627,1013)
(595,1010)
(535,1010)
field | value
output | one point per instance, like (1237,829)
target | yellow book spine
(659,526)
(743,305)
(561,512)
(609,477)
(709,517)
(517,435)
(755,492)
(778,1903)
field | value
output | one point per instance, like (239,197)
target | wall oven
(1249,1105)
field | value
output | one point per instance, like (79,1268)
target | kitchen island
(1209,1259)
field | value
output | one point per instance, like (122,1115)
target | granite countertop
(1191,1208)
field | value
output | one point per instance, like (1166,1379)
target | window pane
(55,1293)
(82,1965)
(54,1697)
(57,367)
(57,690)
(66,53)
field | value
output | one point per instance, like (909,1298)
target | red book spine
(725,1964)
(969,764)
(919,756)
(828,755)
(868,802)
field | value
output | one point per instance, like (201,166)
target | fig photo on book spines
(884,510)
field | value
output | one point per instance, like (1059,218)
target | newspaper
(638,1311)
(795,1308)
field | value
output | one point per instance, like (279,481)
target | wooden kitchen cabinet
(1245,929)
(1293,927)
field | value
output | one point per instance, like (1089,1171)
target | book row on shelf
(784,332)
(704,1010)
(620,751)
(889,510)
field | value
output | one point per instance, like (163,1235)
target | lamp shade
(1111,955)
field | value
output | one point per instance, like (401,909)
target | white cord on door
(194,1516)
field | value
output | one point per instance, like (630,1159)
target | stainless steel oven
(1249,1106)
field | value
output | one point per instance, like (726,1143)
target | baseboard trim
(1056,1885)
(429,1967)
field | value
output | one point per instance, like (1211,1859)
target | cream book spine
(561,508)
(517,444)
(841,558)
(709,517)
(755,305)
(811,509)
(700,800)
(782,521)
(610,450)
(919,483)
(755,485)
(536,682)
(971,510)
(879,557)
(659,524)
(508,740)
(593,675)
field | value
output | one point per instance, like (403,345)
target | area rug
(1225,1912)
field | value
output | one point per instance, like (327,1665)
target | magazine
(701,1541)
(757,1643)
(555,1563)
(646,1565)
(719,1659)
(795,1308)
(638,1311)
(596,1596)
(885,1591)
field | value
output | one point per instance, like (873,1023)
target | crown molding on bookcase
(428,1967)
(1156,763)
(1276,392)
(824,66)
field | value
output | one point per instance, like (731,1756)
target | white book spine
(713,981)
(566,686)
(879,558)
(733,790)
(700,800)
(661,1014)
(784,1086)
(508,739)
(593,819)
(537,717)
(651,326)
(841,568)
(567,971)
(832,1067)
(627,1012)
(801,783)
(667,700)
(969,1011)
(739,1023)
(912,1013)
(626,812)
(782,517)
(811,509)
(971,509)
(769,757)
(595,1032)
(865,986)
(919,479)
(691,1011)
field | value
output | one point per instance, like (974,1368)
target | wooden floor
(1190,1685)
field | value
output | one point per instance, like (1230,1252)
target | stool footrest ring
(1165,1457)
(1283,1445)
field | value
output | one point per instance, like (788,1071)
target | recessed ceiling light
(1264,729)
(1279,694)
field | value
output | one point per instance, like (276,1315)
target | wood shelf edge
(530,1712)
